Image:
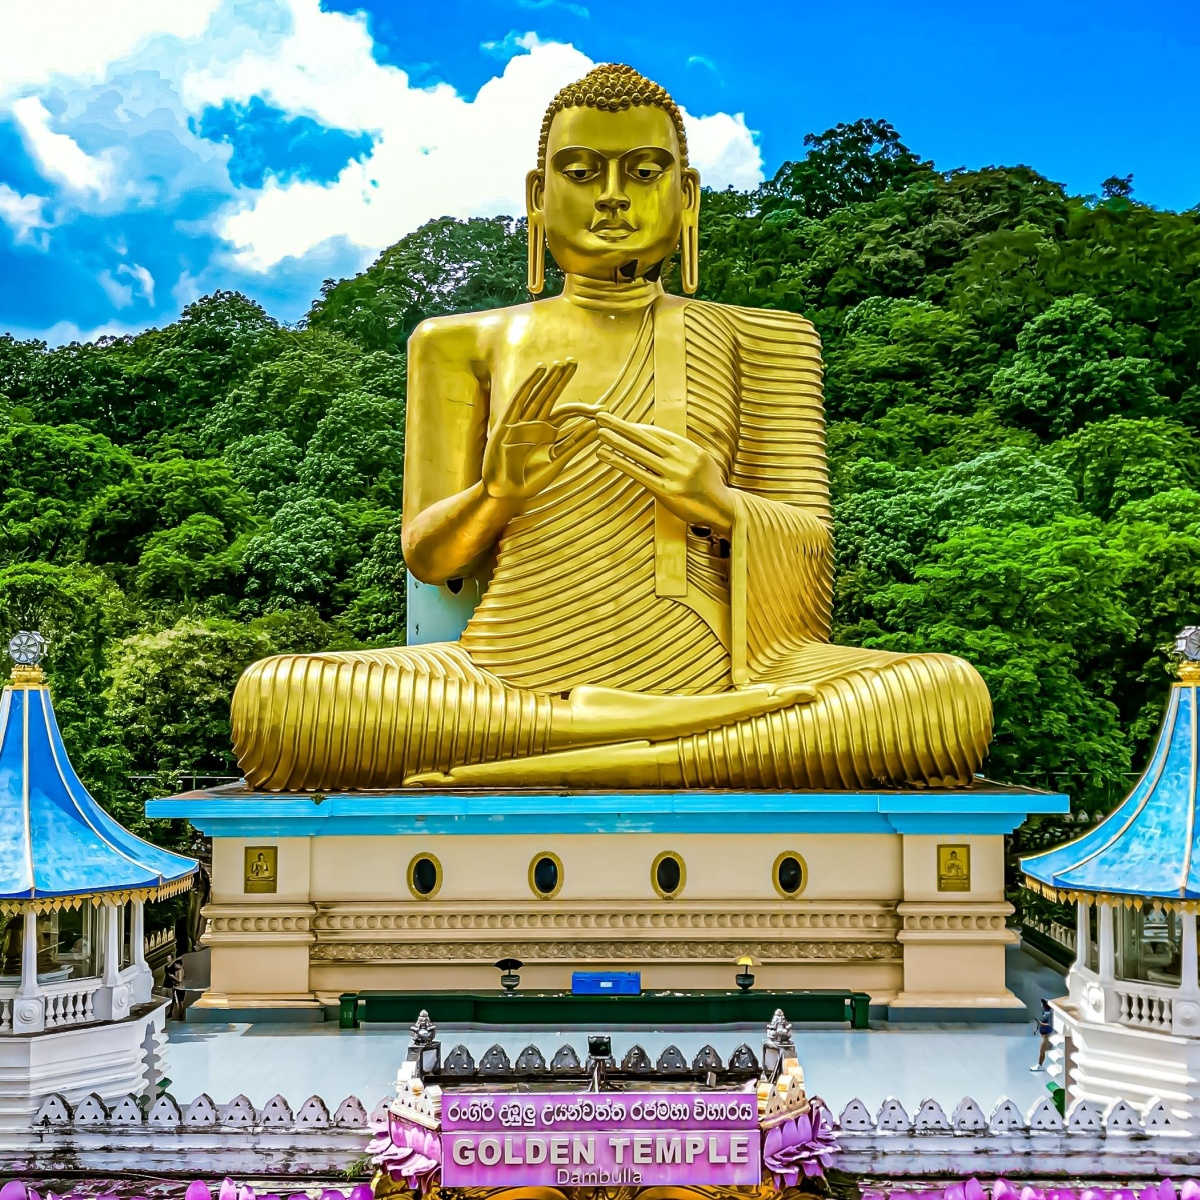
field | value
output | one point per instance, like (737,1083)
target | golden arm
(449,521)
(464,484)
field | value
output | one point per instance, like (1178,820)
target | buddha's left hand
(685,477)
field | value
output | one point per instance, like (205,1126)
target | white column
(137,935)
(141,977)
(1189,984)
(1081,933)
(112,950)
(29,949)
(1108,951)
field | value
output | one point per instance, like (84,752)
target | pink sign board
(588,1139)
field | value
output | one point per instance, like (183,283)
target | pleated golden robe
(593,586)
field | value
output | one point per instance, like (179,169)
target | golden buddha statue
(640,480)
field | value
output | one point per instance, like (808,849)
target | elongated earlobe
(535,271)
(689,243)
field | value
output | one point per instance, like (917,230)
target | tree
(301,556)
(446,266)
(357,451)
(1071,367)
(1119,460)
(120,519)
(848,164)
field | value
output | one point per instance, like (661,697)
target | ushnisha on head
(612,194)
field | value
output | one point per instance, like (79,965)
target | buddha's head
(612,192)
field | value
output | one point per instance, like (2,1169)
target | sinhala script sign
(589,1139)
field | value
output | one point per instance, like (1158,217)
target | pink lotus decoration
(803,1145)
(196,1190)
(1003,1189)
(407,1152)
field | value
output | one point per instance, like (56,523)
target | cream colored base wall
(869,916)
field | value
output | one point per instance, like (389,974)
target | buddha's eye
(645,172)
(579,172)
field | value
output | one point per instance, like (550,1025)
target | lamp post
(745,977)
(509,979)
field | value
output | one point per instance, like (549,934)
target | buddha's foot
(597,715)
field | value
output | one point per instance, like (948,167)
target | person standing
(174,981)
(1044,1027)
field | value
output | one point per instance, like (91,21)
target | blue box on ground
(606,983)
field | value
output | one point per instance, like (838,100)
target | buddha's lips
(612,230)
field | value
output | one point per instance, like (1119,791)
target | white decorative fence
(205,1138)
(70,1002)
(1145,1005)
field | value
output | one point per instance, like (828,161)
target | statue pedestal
(899,893)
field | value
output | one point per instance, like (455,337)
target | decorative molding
(946,916)
(584,917)
(253,924)
(584,951)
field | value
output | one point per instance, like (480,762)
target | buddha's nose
(613,198)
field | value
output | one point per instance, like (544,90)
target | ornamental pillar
(137,934)
(1185,1012)
(112,948)
(29,1006)
(142,979)
(1077,976)
(1108,949)
(29,949)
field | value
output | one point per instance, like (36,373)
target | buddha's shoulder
(473,329)
(756,323)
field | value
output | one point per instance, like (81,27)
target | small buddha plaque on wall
(261,869)
(953,868)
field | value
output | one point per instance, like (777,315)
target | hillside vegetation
(1013,392)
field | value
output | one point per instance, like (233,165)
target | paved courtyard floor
(910,1062)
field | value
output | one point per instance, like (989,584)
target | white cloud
(139,73)
(120,295)
(78,39)
(58,155)
(63,332)
(143,281)
(22,214)
(723,150)
(435,152)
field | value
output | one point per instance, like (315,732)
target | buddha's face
(614,193)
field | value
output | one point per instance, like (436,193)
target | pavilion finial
(1186,651)
(26,649)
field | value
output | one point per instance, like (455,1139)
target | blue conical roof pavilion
(1149,848)
(57,844)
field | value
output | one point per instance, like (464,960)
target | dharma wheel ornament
(1186,650)
(26,649)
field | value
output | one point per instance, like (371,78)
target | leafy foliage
(1013,393)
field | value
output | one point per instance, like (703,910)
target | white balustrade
(1144,1005)
(72,1002)
(5,1014)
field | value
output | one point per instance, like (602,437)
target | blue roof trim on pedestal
(55,840)
(236,811)
(1147,847)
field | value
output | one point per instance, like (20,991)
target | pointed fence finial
(26,649)
(1186,651)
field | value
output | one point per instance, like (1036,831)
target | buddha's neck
(609,296)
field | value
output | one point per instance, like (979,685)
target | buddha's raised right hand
(527,450)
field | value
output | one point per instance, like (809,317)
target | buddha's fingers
(570,442)
(548,390)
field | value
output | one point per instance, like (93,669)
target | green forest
(1013,396)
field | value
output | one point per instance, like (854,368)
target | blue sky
(154,150)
